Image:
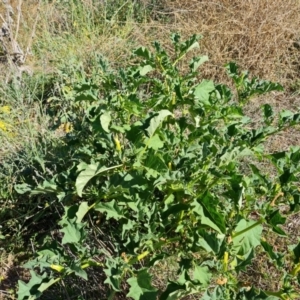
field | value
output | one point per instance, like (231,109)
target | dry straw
(261,35)
(12,56)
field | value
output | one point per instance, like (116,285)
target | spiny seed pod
(144,254)
(118,145)
(173,98)
(57,268)
(226,255)
(296,270)
(225,260)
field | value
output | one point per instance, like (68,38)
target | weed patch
(153,173)
(161,168)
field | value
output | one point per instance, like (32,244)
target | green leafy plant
(157,157)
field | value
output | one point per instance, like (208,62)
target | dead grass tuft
(7,281)
(262,36)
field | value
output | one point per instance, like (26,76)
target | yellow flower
(5,109)
(66,127)
(3,126)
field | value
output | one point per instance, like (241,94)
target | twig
(33,32)
(19,17)
(66,291)
(2,18)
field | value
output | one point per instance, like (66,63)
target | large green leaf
(216,294)
(277,257)
(206,208)
(204,219)
(105,120)
(141,288)
(145,69)
(88,173)
(180,289)
(197,62)
(202,275)
(154,142)
(47,187)
(202,92)
(241,263)
(156,121)
(143,52)
(113,274)
(73,232)
(174,291)
(275,219)
(110,208)
(210,241)
(22,188)
(247,236)
(35,287)
(82,210)
(78,271)
(296,251)
(254,294)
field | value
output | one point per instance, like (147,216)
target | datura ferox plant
(169,163)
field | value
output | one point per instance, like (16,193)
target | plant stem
(247,229)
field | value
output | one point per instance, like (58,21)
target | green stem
(179,58)
(278,294)
(248,228)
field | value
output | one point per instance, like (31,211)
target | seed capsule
(57,268)
(118,145)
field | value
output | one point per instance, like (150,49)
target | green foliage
(25,151)
(138,11)
(156,152)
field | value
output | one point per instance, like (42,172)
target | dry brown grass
(6,282)
(261,35)
(17,31)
